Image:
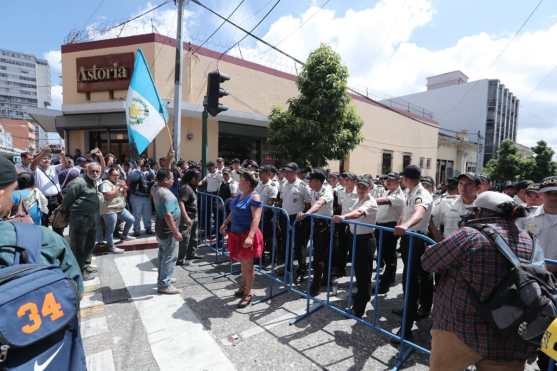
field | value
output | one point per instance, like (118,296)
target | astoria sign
(104,72)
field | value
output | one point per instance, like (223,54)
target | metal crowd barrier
(551,365)
(211,210)
(314,304)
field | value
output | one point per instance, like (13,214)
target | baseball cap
(364,180)
(533,187)
(317,174)
(470,176)
(291,166)
(412,172)
(428,180)
(392,176)
(523,184)
(549,184)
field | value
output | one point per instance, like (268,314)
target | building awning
(111,114)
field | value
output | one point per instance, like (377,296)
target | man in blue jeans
(166,229)
(140,181)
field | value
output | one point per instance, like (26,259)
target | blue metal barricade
(551,262)
(212,213)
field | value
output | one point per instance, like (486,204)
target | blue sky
(390,46)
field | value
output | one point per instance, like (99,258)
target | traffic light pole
(204,143)
(176,132)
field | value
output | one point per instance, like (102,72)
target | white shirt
(419,196)
(326,193)
(47,181)
(543,227)
(389,213)
(214,181)
(235,175)
(233,186)
(20,168)
(294,196)
(368,207)
(267,191)
(449,212)
(347,200)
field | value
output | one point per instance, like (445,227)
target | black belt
(52,197)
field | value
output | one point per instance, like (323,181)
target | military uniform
(54,250)
(421,282)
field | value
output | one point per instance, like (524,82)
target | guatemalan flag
(146,113)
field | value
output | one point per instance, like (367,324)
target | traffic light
(214,93)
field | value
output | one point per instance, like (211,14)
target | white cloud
(375,44)
(56,96)
(54,58)
(162,21)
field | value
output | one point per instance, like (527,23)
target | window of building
(445,170)
(471,167)
(406,160)
(422,161)
(387,164)
(428,164)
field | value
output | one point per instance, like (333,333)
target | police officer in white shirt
(415,217)
(212,181)
(347,198)
(294,195)
(542,223)
(390,210)
(235,173)
(268,191)
(448,213)
(363,211)
(321,204)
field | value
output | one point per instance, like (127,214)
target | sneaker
(88,276)
(193,257)
(408,337)
(116,250)
(149,232)
(127,238)
(170,290)
(90,269)
(173,280)
(136,234)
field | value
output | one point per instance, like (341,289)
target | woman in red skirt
(245,240)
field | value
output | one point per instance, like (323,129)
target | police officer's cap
(267,169)
(333,174)
(470,176)
(8,175)
(549,184)
(523,184)
(317,174)
(226,170)
(533,187)
(428,180)
(453,182)
(291,166)
(392,176)
(484,179)
(365,181)
(412,172)
(350,176)
(492,200)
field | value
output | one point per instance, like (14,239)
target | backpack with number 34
(39,305)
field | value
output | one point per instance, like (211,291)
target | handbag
(59,218)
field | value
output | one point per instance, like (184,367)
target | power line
(515,35)
(354,91)
(218,28)
(121,24)
(250,32)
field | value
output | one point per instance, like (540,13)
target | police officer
(267,189)
(294,195)
(390,210)
(321,199)
(54,248)
(448,213)
(415,217)
(542,222)
(347,198)
(364,210)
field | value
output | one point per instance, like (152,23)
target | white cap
(491,200)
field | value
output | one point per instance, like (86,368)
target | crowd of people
(104,200)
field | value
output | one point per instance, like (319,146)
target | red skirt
(236,247)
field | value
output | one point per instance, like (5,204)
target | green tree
(507,164)
(542,164)
(320,124)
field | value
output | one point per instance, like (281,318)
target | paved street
(126,325)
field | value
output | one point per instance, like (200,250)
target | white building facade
(484,109)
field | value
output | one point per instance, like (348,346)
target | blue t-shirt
(241,213)
(30,203)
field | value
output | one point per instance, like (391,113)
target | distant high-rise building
(24,82)
(485,109)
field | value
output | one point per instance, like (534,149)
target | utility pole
(178,80)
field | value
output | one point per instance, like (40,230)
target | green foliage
(542,164)
(508,164)
(320,124)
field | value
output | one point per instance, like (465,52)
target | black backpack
(524,303)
